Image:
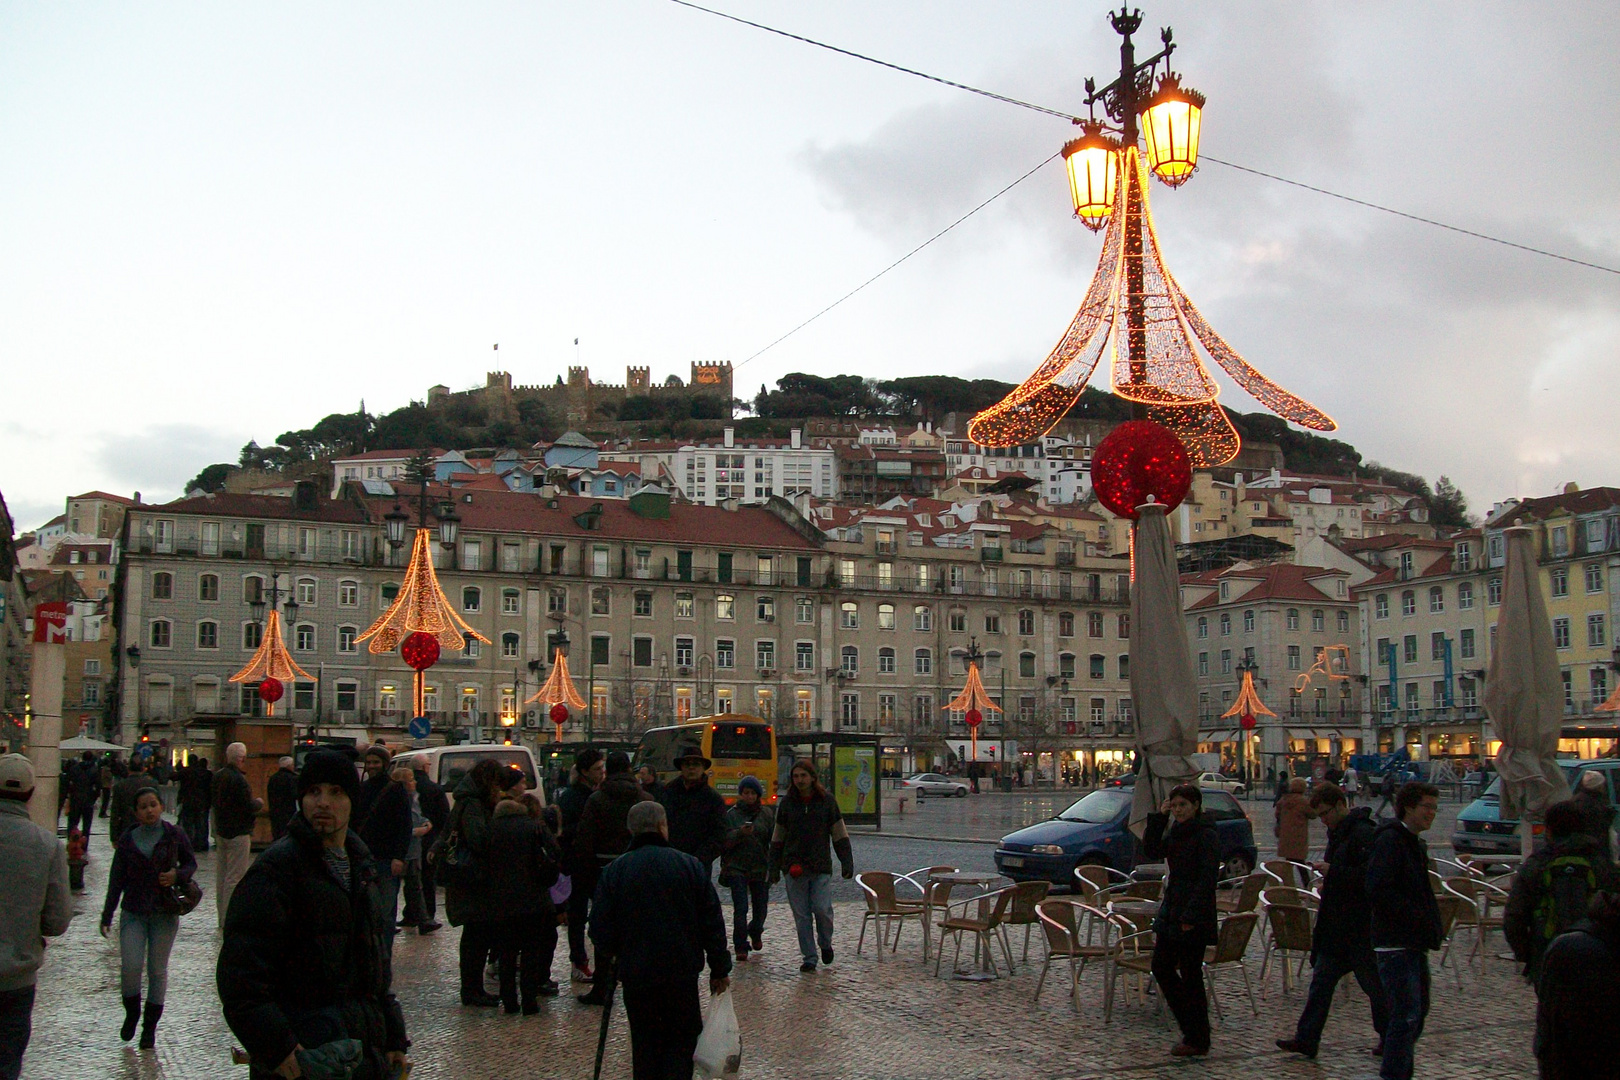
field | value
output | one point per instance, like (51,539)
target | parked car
(448,764)
(1095,830)
(1480,828)
(933,783)
(1123,780)
(1234,788)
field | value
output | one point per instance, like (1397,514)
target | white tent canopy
(81,743)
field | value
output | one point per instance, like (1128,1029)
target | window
(1595,635)
(1437,600)
(303,695)
(922,711)
(885,661)
(846,573)
(1344,622)
(252,635)
(849,615)
(804,611)
(922,618)
(1381,606)
(763,570)
(509,646)
(1437,646)
(348,696)
(1124,667)
(556,601)
(510,558)
(90,693)
(1026,622)
(1560,633)
(1065,624)
(1291,618)
(1408,602)
(641,652)
(1203,626)
(850,710)
(725,606)
(992,623)
(1226,622)
(1493,592)
(1409,648)
(1384,653)
(1248,621)
(1594,577)
(1598,682)
(958,621)
(599,562)
(1465,644)
(1096,666)
(305,590)
(1098,709)
(643,605)
(601,600)
(207,635)
(161,634)
(765,655)
(1465,596)
(1124,625)
(683,605)
(886,707)
(1293,658)
(472,554)
(208,587)
(1560,541)
(643,563)
(1226,661)
(601,650)
(765,608)
(511,601)
(683,652)
(1467,694)
(472,598)
(885,617)
(804,656)
(1203,663)
(346,639)
(304,638)
(1026,665)
(849,660)
(1559,576)
(725,653)
(722,567)
(163,585)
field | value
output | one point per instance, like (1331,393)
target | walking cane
(607,1013)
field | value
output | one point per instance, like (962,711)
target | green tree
(1448,508)
(213,477)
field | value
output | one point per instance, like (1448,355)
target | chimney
(798,438)
(731,437)
(137,498)
(304,495)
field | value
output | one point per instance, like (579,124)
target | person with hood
(1341,943)
(523,868)
(656,920)
(601,837)
(1578,996)
(809,827)
(1554,885)
(470,904)
(697,813)
(303,972)
(196,797)
(435,806)
(745,864)
(281,792)
(151,856)
(84,784)
(1185,839)
(385,825)
(235,813)
(35,903)
(1405,921)
(1592,799)
(1294,813)
(590,769)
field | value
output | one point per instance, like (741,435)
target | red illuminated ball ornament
(559,714)
(420,651)
(973,717)
(1138,459)
(1247,721)
(270,691)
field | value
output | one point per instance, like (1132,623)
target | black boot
(149,1025)
(132,1016)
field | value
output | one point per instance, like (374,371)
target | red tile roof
(1274,581)
(374,455)
(105,496)
(1585,501)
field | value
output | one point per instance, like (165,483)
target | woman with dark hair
(470,905)
(151,856)
(1186,840)
(523,868)
(808,823)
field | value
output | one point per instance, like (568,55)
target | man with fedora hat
(697,813)
(34,904)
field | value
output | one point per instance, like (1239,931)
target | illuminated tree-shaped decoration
(1248,706)
(973,703)
(420,607)
(271,664)
(558,692)
(1612,704)
(1135,311)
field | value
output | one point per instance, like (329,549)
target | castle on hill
(585,402)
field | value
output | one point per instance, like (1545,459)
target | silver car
(933,783)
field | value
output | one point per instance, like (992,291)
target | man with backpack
(1552,889)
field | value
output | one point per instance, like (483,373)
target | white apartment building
(752,470)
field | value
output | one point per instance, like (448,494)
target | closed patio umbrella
(1524,691)
(1161,669)
(80,743)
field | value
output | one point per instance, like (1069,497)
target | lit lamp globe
(1170,124)
(1093,164)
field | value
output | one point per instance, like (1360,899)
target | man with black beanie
(305,961)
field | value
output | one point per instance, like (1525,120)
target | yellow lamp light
(1093,164)
(1170,124)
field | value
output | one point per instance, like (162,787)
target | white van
(446,765)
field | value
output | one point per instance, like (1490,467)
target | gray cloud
(158,461)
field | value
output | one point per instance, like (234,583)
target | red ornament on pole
(270,691)
(973,717)
(559,714)
(420,651)
(1247,721)
(1140,458)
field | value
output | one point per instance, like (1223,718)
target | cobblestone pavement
(860,1018)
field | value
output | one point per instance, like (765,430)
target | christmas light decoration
(271,663)
(270,691)
(1248,704)
(558,692)
(420,606)
(1135,310)
(973,699)
(1138,461)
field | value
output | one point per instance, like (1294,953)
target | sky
(222,222)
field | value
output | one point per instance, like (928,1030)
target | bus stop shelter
(847,764)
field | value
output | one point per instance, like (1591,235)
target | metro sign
(50,623)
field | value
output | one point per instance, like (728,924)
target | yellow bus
(739,745)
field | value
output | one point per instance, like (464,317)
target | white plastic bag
(719,1048)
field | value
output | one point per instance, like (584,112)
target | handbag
(181,898)
(453,862)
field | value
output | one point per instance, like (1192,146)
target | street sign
(50,623)
(421,727)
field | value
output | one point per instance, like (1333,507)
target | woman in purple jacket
(151,856)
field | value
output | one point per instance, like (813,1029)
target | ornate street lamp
(1171,123)
(395,521)
(1092,162)
(449,524)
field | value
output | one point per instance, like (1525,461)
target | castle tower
(637,380)
(579,377)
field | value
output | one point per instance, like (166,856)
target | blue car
(1480,828)
(1094,831)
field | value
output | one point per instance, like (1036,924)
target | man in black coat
(84,785)
(385,827)
(1578,996)
(1184,837)
(304,961)
(656,919)
(697,813)
(1553,886)
(281,792)
(600,837)
(196,797)
(1342,941)
(435,807)
(1405,921)
(590,769)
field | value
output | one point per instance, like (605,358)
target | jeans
(742,893)
(1405,975)
(1178,968)
(145,941)
(234,858)
(1325,976)
(665,1022)
(16,1024)
(528,942)
(811,895)
(415,907)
